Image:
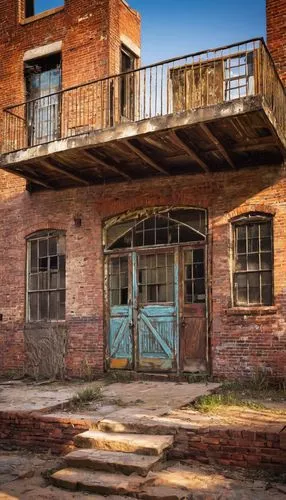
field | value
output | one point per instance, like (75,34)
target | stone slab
(97,482)
(111,461)
(133,443)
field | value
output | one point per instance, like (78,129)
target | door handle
(131,324)
(183,323)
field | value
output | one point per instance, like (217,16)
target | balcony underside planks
(199,141)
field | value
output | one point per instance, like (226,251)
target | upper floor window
(46,281)
(43,82)
(253,261)
(34,7)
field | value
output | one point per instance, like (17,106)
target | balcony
(206,112)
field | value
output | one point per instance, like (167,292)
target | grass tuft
(87,395)
(246,394)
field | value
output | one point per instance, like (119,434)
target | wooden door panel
(193,344)
(193,335)
(120,341)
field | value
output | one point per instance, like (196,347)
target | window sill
(252,311)
(41,15)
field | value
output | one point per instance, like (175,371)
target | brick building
(143,214)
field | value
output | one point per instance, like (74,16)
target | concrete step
(141,444)
(112,461)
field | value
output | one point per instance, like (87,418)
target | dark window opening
(43,81)
(118,281)
(194,276)
(253,261)
(34,7)
(127,90)
(46,276)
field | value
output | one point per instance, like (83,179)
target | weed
(87,395)
(212,402)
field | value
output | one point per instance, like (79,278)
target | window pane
(241,263)
(34,256)
(33,282)
(43,248)
(267,295)
(62,311)
(33,303)
(43,264)
(241,246)
(266,244)
(253,262)
(54,263)
(53,246)
(53,280)
(43,281)
(253,245)
(43,310)
(62,266)
(53,305)
(266,261)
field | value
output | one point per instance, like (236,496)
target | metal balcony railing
(197,80)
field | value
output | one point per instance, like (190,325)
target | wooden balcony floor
(232,135)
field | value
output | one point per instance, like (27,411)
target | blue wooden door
(157,306)
(121,352)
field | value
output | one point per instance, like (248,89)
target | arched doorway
(156,290)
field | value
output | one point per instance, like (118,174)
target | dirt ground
(23,476)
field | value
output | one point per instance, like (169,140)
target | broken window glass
(165,228)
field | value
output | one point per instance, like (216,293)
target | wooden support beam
(256,144)
(145,157)
(190,152)
(58,168)
(94,158)
(30,178)
(218,144)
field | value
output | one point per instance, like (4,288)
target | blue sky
(176,27)
(172,28)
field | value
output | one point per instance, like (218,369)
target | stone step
(141,444)
(103,483)
(137,426)
(112,461)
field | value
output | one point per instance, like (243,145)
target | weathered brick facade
(241,340)
(276,34)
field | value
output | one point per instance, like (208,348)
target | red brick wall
(263,449)
(90,35)
(240,344)
(276,33)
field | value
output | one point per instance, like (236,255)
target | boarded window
(46,276)
(253,261)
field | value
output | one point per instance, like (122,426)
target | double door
(156,310)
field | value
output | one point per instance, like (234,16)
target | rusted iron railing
(177,85)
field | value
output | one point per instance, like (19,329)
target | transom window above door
(164,227)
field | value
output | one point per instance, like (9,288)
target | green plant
(212,402)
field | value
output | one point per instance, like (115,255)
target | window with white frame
(253,260)
(46,276)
